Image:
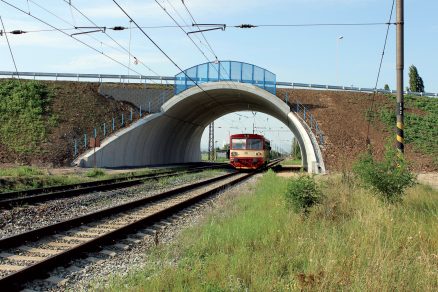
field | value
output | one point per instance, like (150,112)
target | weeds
(20,171)
(303,193)
(420,123)
(95,172)
(350,242)
(388,178)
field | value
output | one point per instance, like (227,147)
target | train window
(254,144)
(238,143)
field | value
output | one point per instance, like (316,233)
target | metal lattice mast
(211,142)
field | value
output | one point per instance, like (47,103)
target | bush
(388,178)
(303,193)
(95,172)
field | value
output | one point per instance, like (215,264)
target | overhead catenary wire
(10,49)
(74,27)
(187,25)
(203,35)
(111,38)
(378,73)
(239,26)
(194,22)
(310,24)
(185,32)
(176,22)
(80,41)
(167,56)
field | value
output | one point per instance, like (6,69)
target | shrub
(388,178)
(302,193)
(95,172)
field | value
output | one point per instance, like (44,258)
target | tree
(415,81)
(386,87)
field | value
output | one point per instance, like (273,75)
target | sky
(314,54)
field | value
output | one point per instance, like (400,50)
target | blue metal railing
(106,128)
(225,71)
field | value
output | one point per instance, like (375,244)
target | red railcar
(249,151)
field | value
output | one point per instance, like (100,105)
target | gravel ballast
(95,271)
(25,218)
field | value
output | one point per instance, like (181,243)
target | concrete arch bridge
(202,94)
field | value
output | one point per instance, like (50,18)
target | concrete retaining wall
(149,99)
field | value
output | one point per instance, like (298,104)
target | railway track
(33,196)
(33,254)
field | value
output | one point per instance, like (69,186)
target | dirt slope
(341,116)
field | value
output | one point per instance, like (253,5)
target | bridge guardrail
(123,78)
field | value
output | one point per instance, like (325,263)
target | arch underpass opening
(174,134)
(248,122)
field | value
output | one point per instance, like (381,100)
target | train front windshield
(247,144)
(238,144)
(254,144)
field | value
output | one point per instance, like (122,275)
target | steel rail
(9,200)
(15,280)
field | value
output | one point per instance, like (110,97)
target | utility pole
(400,67)
(211,142)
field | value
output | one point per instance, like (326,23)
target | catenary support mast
(400,67)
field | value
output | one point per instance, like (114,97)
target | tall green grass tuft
(303,193)
(388,178)
(95,172)
(351,241)
(20,171)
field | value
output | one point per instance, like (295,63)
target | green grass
(25,115)
(421,127)
(351,241)
(291,162)
(28,177)
(95,172)
(20,171)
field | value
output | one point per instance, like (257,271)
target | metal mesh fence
(225,71)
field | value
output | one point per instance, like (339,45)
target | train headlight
(234,153)
(258,153)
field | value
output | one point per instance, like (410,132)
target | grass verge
(291,162)
(28,177)
(351,241)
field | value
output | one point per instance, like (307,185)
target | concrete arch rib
(174,134)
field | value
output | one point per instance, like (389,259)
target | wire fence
(307,117)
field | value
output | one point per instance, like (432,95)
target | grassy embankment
(25,115)
(352,241)
(421,119)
